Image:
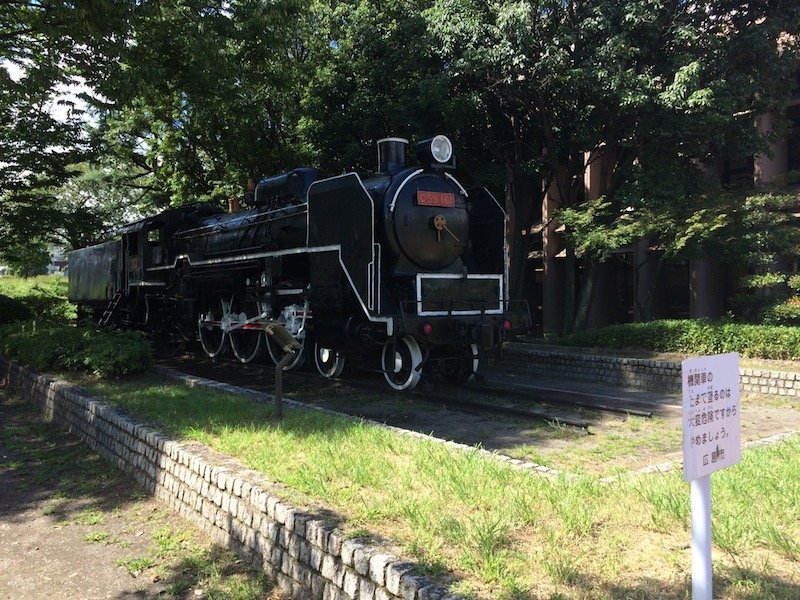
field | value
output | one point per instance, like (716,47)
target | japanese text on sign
(711,426)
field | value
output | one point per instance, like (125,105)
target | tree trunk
(707,288)
(516,268)
(587,293)
(647,274)
(570,291)
(520,201)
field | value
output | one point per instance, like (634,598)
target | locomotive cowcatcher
(405,269)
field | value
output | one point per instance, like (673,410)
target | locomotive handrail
(246,221)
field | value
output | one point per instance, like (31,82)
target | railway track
(560,397)
(489,396)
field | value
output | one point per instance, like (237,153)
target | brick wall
(299,549)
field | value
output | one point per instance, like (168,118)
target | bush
(784,313)
(45,298)
(694,337)
(64,348)
(13,309)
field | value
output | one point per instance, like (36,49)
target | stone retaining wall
(299,549)
(548,362)
(647,374)
(773,383)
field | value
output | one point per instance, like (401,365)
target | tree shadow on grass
(47,464)
(742,584)
(51,485)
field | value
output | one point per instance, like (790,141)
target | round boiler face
(430,221)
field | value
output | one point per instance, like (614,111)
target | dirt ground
(73,527)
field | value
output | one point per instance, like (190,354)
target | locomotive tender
(405,265)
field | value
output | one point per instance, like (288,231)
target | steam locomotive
(405,269)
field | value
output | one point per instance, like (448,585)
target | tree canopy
(650,90)
(184,100)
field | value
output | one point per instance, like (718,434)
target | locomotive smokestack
(392,155)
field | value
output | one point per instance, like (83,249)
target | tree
(93,204)
(647,88)
(26,259)
(371,74)
(762,240)
(197,98)
(41,132)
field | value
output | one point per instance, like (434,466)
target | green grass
(506,533)
(90,517)
(45,296)
(97,537)
(692,336)
(636,441)
(135,565)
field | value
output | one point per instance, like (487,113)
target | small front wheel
(401,362)
(329,363)
(465,365)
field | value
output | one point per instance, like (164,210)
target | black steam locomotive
(404,268)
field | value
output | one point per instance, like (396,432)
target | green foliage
(45,298)
(694,337)
(95,202)
(26,258)
(372,72)
(13,309)
(64,348)
(597,230)
(762,280)
(762,238)
(202,96)
(786,312)
(38,44)
(641,93)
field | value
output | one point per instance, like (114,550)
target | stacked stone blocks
(299,549)
(639,373)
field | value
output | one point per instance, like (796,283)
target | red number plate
(443,199)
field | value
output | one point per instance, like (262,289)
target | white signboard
(711,409)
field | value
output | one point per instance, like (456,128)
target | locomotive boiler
(404,270)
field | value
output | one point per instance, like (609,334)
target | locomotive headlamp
(436,152)
(441,149)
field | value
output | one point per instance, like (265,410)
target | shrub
(45,297)
(694,337)
(64,348)
(13,309)
(784,313)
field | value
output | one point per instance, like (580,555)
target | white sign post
(711,441)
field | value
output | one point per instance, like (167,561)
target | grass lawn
(494,532)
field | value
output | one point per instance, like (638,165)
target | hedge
(693,337)
(65,348)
